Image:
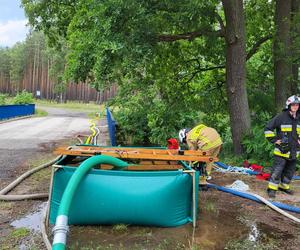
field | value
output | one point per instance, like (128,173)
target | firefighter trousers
(282,173)
(214,152)
(209,165)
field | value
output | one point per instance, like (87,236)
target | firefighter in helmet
(284,132)
(203,138)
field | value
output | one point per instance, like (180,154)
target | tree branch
(219,85)
(202,70)
(256,46)
(220,20)
(193,60)
(189,35)
(211,68)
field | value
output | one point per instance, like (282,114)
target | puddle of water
(214,229)
(221,223)
(23,247)
(31,221)
(254,233)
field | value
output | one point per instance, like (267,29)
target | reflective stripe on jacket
(286,128)
(203,138)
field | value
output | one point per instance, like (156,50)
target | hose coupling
(60,230)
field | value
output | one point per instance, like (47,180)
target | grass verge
(40,113)
(90,107)
(14,238)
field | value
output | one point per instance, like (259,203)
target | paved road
(23,139)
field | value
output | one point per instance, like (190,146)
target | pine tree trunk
(36,82)
(236,72)
(48,80)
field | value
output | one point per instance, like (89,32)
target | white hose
(4,191)
(276,208)
(268,203)
(78,138)
(12,185)
(96,136)
(19,197)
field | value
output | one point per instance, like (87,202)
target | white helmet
(182,135)
(292,99)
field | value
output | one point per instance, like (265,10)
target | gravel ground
(26,143)
(23,139)
(223,218)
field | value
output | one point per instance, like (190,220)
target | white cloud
(12,31)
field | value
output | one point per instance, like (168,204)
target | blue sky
(12,23)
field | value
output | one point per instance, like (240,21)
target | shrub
(257,148)
(3,99)
(23,98)
(149,121)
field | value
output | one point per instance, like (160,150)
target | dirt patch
(224,222)
(17,162)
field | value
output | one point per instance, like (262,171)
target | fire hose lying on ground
(16,197)
(3,196)
(277,206)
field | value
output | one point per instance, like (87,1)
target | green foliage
(57,69)
(26,56)
(17,62)
(220,122)
(257,148)
(88,107)
(5,63)
(12,64)
(145,118)
(23,98)
(163,85)
(3,99)
(132,119)
(210,207)
(51,17)
(119,228)
(40,113)
(20,233)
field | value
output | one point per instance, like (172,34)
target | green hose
(61,225)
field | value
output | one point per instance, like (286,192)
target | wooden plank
(155,167)
(147,150)
(133,154)
(137,156)
(161,162)
(142,150)
(145,167)
(146,162)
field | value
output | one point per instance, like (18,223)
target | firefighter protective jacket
(287,129)
(203,137)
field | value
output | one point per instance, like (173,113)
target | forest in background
(230,64)
(34,66)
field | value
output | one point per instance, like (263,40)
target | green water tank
(106,197)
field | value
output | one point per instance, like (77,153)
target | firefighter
(287,146)
(203,138)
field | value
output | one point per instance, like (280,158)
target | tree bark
(236,71)
(295,30)
(281,52)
